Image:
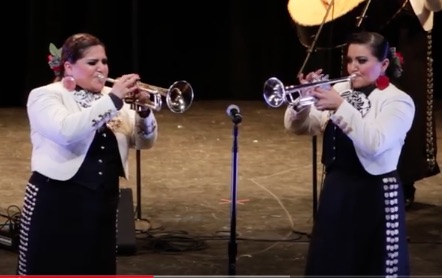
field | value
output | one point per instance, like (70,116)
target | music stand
(314,140)
(135,60)
(310,50)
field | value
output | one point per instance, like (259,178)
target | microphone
(234,113)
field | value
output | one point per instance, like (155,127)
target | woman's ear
(384,64)
(67,68)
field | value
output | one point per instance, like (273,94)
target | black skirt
(67,229)
(360,227)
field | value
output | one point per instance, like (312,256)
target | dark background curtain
(225,49)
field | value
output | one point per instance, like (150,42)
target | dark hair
(380,48)
(74,48)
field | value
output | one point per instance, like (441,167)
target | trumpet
(179,95)
(276,94)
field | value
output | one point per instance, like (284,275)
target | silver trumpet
(276,94)
(179,96)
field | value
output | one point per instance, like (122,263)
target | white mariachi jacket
(424,10)
(376,124)
(63,125)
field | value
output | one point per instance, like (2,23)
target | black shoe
(409,203)
(409,191)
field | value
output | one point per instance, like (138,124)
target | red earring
(382,82)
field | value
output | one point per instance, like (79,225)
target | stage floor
(185,192)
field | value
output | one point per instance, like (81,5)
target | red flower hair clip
(400,58)
(398,61)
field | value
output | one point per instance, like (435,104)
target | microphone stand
(133,106)
(232,247)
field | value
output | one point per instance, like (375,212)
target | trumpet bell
(275,93)
(179,97)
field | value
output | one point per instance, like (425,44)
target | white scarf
(86,98)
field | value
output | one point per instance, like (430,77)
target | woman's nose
(101,70)
(352,68)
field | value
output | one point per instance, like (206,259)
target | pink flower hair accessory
(54,59)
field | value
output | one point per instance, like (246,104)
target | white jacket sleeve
(309,120)
(306,121)
(145,130)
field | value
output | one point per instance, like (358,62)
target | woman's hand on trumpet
(311,77)
(327,99)
(142,97)
(126,85)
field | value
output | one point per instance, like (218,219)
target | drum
(339,18)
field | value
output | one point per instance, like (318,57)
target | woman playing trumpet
(81,132)
(360,227)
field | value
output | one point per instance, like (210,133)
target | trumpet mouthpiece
(104,78)
(101,77)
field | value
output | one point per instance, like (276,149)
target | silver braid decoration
(342,61)
(430,150)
